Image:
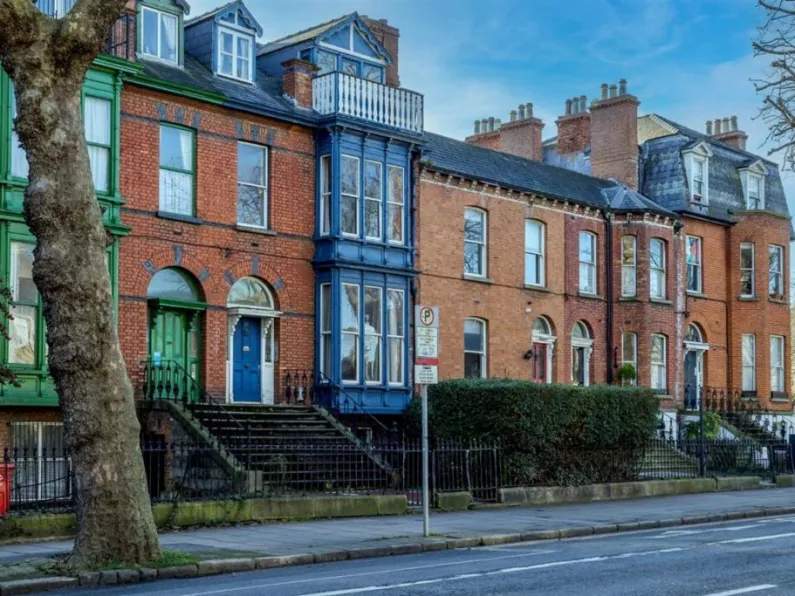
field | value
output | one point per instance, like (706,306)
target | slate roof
(305,35)
(624,199)
(209,13)
(265,96)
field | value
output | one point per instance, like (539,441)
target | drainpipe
(609,295)
(412,236)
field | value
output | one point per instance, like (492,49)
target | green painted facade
(103,81)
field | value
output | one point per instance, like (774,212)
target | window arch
(694,334)
(174,284)
(542,327)
(249,292)
(475,342)
(580,331)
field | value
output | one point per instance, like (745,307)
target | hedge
(552,434)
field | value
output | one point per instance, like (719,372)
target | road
(723,559)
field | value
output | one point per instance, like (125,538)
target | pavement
(751,556)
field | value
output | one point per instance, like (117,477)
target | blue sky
(690,60)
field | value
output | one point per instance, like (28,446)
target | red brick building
(624,240)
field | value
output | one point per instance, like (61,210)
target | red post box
(6,475)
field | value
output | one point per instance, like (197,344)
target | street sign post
(426,372)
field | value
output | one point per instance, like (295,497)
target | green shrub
(551,434)
(712,426)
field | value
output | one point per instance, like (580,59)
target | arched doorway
(581,348)
(252,342)
(543,346)
(695,348)
(175,306)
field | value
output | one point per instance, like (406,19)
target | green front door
(174,354)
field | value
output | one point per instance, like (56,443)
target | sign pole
(426,508)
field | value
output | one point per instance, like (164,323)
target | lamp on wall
(528,355)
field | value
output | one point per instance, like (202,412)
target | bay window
(177,168)
(325,195)
(325,331)
(373,302)
(350,332)
(628,266)
(693,260)
(24,307)
(350,196)
(746,269)
(395,199)
(373,185)
(657,268)
(395,334)
(19,160)
(776,272)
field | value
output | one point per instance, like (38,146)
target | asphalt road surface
(754,557)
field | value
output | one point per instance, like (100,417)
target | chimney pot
(717,126)
(529,109)
(568,107)
(734,122)
(709,127)
(477,127)
(582,103)
(491,124)
(497,123)
(513,115)
(484,125)
(726,125)
(622,87)
(521,112)
(575,105)
(612,91)
(604,90)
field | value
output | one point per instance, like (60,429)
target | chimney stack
(389,37)
(614,135)
(574,127)
(709,128)
(727,131)
(520,136)
(297,81)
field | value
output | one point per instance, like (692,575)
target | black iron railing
(121,39)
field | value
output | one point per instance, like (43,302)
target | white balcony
(346,95)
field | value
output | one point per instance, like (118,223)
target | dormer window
(697,170)
(159,37)
(753,182)
(754,192)
(698,178)
(234,54)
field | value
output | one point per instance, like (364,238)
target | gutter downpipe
(609,297)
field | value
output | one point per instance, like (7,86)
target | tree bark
(48,65)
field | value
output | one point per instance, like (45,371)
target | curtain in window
(168,38)
(777,364)
(176,192)
(395,332)
(97,126)
(749,362)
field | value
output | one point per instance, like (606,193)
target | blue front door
(247,383)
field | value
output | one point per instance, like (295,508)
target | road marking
(758,588)
(756,538)
(366,573)
(381,588)
(675,533)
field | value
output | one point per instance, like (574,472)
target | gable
(353,35)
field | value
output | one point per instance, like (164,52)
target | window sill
(664,301)
(749,396)
(477,278)
(256,230)
(777,300)
(628,299)
(747,298)
(588,296)
(177,217)
(779,397)
(537,288)
(693,294)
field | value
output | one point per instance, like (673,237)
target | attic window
(754,200)
(697,170)
(159,35)
(234,54)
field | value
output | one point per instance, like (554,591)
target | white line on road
(756,538)
(675,533)
(758,588)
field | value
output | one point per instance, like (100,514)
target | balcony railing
(346,95)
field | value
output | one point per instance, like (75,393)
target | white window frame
(634,362)
(325,333)
(777,372)
(325,195)
(744,246)
(357,334)
(750,366)
(660,271)
(393,335)
(392,203)
(95,145)
(160,15)
(584,343)
(263,187)
(378,200)
(531,252)
(587,265)
(657,367)
(629,268)
(483,354)
(758,202)
(378,335)
(698,155)
(482,243)
(699,168)
(184,172)
(777,275)
(236,35)
(757,172)
(699,265)
(348,195)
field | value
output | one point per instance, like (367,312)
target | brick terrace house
(623,240)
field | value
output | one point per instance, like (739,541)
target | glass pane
(372,219)
(656,283)
(395,226)
(372,330)
(250,205)
(250,164)
(350,67)
(473,225)
(372,179)
(628,347)
(473,368)
(176,192)
(628,250)
(628,281)
(395,189)
(746,257)
(52,440)
(150,22)
(243,47)
(22,287)
(243,68)
(749,355)
(99,158)
(349,349)
(541,326)
(227,43)
(473,336)
(326,61)
(350,175)
(97,120)
(579,332)
(657,349)
(176,148)
(395,360)
(226,63)
(473,258)
(532,237)
(776,352)
(19,160)
(168,37)
(746,283)
(532,273)
(693,334)
(22,329)
(586,248)
(350,307)
(326,347)
(395,312)
(693,251)
(372,310)
(693,278)
(775,259)
(656,255)
(250,292)
(172,284)
(371,73)
(349,224)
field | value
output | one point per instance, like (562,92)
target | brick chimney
(614,135)
(297,81)
(520,136)
(574,127)
(727,132)
(389,37)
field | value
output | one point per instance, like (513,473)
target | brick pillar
(614,135)
(297,81)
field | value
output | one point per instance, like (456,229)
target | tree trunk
(70,271)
